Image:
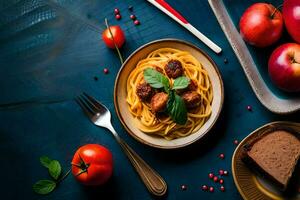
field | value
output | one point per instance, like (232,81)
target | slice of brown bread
(276,154)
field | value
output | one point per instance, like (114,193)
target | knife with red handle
(167,9)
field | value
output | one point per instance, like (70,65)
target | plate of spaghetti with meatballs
(168,94)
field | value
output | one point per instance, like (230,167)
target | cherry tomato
(118,36)
(92,164)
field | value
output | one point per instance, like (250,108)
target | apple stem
(276,9)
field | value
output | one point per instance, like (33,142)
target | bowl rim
(116,96)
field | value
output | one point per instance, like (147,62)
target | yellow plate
(251,186)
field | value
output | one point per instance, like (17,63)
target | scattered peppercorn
(222,188)
(216,179)
(225,60)
(211,189)
(249,108)
(116,11)
(183,187)
(222,156)
(236,142)
(221,172)
(96,78)
(136,22)
(130,8)
(221,181)
(211,175)
(225,172)
(133,17)
(118,16)
(204,187)
(105,70)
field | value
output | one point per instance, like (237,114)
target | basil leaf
(54,169)
(45,161)
(177,109)
(181,82)
(156,79)
(44,186)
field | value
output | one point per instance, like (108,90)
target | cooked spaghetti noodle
(165,127)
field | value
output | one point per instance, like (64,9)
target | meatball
(191,99)
(174,69)
(144,91)
(159,102)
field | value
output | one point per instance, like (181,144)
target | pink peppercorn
(216,179)
(183,187)
(222,188)
(133,17)
(222,156)
(221,172)
(211,175)
(236,142)
(105,70)
(204,187)
(118,17)
(211,189)
(249,108)
(136,22)
(116,11)
(221,181)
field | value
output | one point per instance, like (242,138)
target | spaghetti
(164,126)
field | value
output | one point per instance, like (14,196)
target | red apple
(261,24)
(291,16)
(284,67)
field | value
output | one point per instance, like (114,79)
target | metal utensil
(101,116)
(171,12)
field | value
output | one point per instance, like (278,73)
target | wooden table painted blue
(52,50)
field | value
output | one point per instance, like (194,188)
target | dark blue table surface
(52,50)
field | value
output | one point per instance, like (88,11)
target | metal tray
(253,60)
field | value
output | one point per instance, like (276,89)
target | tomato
(118,36)
(92,164)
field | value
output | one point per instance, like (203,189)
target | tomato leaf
(181,83)
(54,169)
(45,161)
(44,186)
(176,108)
(156,79)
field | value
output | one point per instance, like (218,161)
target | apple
(291,16)
(284,67)
(261,24)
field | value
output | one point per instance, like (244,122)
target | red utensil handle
(172,10)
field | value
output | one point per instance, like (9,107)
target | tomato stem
(64,176)
(276,9)
(119,53)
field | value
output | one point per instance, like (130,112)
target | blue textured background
(50,52)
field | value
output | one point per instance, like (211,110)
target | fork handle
(153,181)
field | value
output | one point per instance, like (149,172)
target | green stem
(119,53)
(64,176)
(276,9)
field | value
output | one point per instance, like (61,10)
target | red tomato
(260,25)
(92,164)
(118,36)
(291,16)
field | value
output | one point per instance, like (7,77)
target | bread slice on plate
(275,155)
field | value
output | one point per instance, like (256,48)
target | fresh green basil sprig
(175,106)
(46,186)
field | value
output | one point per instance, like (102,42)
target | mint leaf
(156,79)
(181,83)
(176,109)
(44,186)
(54,169)
(45,161)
